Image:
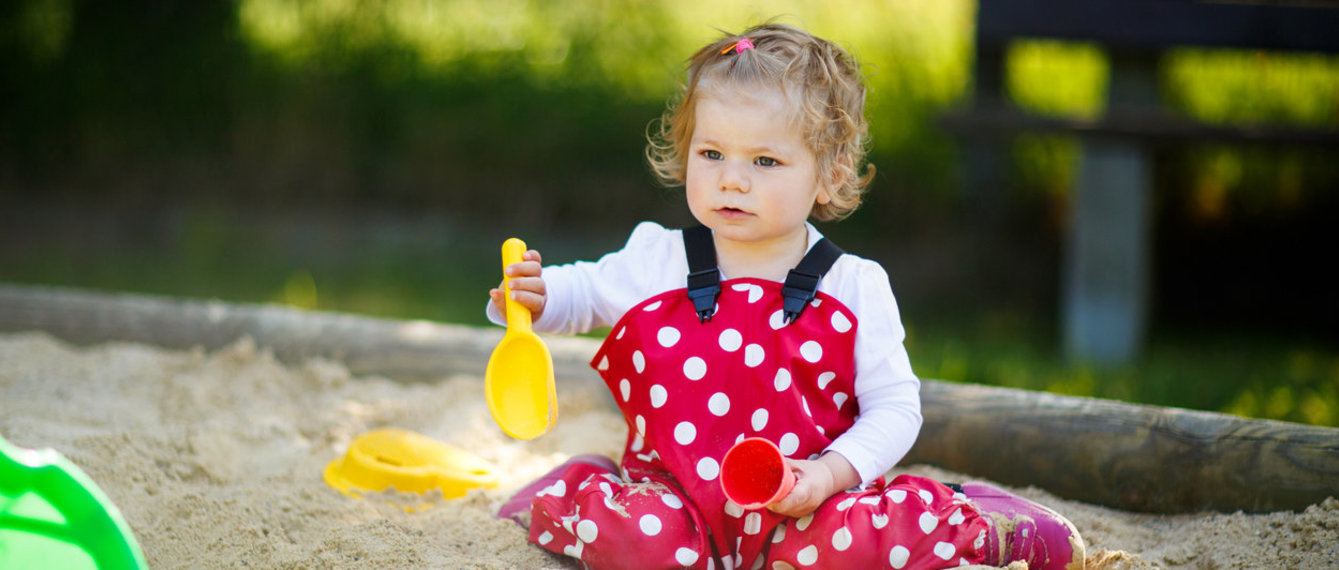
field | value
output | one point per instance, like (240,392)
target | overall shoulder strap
(704,279)
(802,282)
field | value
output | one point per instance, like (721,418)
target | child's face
(750,175)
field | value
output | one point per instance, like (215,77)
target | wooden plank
(1153,25)
(1152,126)
(1141,458)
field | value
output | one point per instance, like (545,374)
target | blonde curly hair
(822,81)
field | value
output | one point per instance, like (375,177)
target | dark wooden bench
(1105,276)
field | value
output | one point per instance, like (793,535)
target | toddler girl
(754,325)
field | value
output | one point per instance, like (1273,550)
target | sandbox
(213,450)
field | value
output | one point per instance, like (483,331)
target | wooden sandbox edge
(1127,456)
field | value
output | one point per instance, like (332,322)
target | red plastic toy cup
(754,474)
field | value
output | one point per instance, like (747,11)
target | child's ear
(835,181)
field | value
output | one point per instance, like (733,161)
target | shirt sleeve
(587,295)
(886,389)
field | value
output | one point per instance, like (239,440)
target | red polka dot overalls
(689,390)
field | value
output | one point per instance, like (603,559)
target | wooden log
(403,350)
(1127,456)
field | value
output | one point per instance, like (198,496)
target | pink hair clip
(744,44)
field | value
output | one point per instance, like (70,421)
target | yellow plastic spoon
(519,380)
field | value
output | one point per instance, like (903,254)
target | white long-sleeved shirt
(586,295)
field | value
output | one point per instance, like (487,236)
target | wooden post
(986,160)
(1106,258)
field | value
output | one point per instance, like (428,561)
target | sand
(215,460)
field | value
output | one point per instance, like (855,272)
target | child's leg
(1024,530)
(517,508)
(591,514)
(913,523)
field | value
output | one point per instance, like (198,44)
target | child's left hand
(815,481)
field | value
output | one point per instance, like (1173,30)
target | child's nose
(734,178)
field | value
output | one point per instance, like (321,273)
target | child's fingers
(533,302)
(523,278)
(499,300)
(531,265)
(534,285)
(526,268)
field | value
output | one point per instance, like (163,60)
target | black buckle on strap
(703,287)
(798,290)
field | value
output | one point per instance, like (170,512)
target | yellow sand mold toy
(408,462)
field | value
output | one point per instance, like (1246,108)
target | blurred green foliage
(205,148)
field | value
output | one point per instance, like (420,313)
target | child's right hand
(527,287)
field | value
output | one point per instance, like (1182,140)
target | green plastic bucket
(52,515)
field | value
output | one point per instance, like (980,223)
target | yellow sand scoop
(518,382)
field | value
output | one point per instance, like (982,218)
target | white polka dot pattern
(659,395)
(826,378)
(841,540)
(754,292)
(733,509)
(789,444)
(752,523)
(731,340)
(685,433)
(899,556)
(754,355)
(587,531)
(807,555)
(708,469)
(668,336)
(927,522)
(694,388)
(671,501)
(719,404)
(695,368)
(759,419)
(840,323)
(945,550)
(650,525)
(811,351)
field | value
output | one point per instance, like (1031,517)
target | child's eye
(711,154)
(766,161)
